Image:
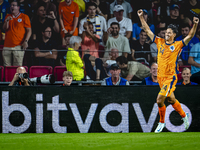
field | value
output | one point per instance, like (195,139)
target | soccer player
(168,52)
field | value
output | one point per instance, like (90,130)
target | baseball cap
(172,7)
(114,66)
(117,8)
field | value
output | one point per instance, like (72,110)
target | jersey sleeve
(27,22)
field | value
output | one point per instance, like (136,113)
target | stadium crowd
(96,39)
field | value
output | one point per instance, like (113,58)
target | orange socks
(178,108)
(162,111)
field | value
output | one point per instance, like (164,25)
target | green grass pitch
(101,141)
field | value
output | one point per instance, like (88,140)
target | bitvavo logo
(83,126)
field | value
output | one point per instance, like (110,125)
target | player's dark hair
(174,28)
(122,60)
(115,23)
(91,4)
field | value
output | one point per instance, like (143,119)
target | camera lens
(25,75)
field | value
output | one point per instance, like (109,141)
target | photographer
(20,78)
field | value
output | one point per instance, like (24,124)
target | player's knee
(159,102)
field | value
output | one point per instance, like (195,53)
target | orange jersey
(68,13)
(167,57)
(15,34)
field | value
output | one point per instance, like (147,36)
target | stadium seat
(1,73)
(58,72)
(38,71)
(10,72)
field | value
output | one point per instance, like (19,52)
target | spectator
(25,8)
(98,21)
(194,61)
(68,14)
(99,68)
(115,79)
(125,23)
(174,18)
(67,78)
(132,70)
(114,53)
(73,60)
(19,80)
(90,41)
(17,28)
(137,27)
(81,6)
(126,5)
(4,9)
(49,7)
(152,79)
(141,50)
(42,19)
(153,46)
(62,54)
(117,40)
(188,9)
(103,8)
(186,74)
(183,59)
(164,9)
(45,49)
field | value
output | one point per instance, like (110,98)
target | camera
(23,75)
(45,79)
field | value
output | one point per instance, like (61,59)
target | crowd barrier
(89,109)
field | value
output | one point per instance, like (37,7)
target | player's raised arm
(145,25)
(192,31)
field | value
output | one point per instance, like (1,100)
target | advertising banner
(86,109)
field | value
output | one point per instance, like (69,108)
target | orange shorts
(167,85)
(63,34)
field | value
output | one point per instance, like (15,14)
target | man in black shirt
(140,50)
(174,18)
(45,49)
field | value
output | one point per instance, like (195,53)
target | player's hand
(140,12)
(196,20)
